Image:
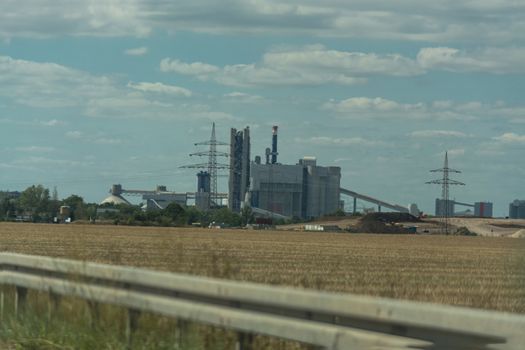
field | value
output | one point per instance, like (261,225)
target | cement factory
(273,190)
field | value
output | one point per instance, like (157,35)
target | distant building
(155,201)
(159,198)
(517,209)
(304,190)
(483,209)
(202,196)
(444,208)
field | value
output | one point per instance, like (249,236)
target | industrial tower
(239,180)
(447,210)
(212,165)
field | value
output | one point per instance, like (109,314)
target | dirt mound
(389,217)
(518,234)
(383,223)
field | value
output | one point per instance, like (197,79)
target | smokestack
(274,144)
(267,153)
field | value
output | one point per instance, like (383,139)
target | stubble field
(481,272)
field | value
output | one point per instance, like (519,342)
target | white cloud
(195,68)
(437,133)
(242,97)
(363,107)
(135,105)
(491,60)
(74,134)
(161,88)
(510,137)
(49,18)
(35,149)
(317,65)
(381,108)
(107,141)
(353,63)
(497,21)
(138,51)
(310,65)
(49,85)
(52,122)
(487,21)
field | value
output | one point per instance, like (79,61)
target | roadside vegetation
(36,204)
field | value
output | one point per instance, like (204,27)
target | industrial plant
(274,190)
(302,190)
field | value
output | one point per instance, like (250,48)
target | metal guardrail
(329,320)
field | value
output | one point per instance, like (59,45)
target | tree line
(38,204)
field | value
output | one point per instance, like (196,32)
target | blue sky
(100,92)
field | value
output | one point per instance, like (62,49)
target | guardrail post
(182,333)
(94,313)
(53,304)
(2,304)
(20,299)
(132,322)
(244,341)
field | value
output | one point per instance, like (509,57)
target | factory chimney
(274,144)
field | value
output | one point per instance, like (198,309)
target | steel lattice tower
(212,165)
(445,182)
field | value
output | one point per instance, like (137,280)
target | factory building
(483,209)
(444,207)
(160,198)
(278,188)
(239,168)
(322,188)
(304,190)
(517,209)
(202,196)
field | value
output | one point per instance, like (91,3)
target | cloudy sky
(97,92)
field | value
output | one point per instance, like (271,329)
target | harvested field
(482,272)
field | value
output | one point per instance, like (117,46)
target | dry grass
(480,272)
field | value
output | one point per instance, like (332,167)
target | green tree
(193,215)
(35,201)
(77,206)
(176,213)
(226,216)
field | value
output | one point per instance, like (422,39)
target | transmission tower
(445,182)
(212,165)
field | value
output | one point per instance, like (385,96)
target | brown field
(482,272)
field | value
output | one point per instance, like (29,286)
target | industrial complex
(303,190)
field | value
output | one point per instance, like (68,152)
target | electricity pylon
(445,182)
(212,165)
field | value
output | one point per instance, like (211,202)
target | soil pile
(383,223)
(390,217)
(518,234)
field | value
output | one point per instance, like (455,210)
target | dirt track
(490,227)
